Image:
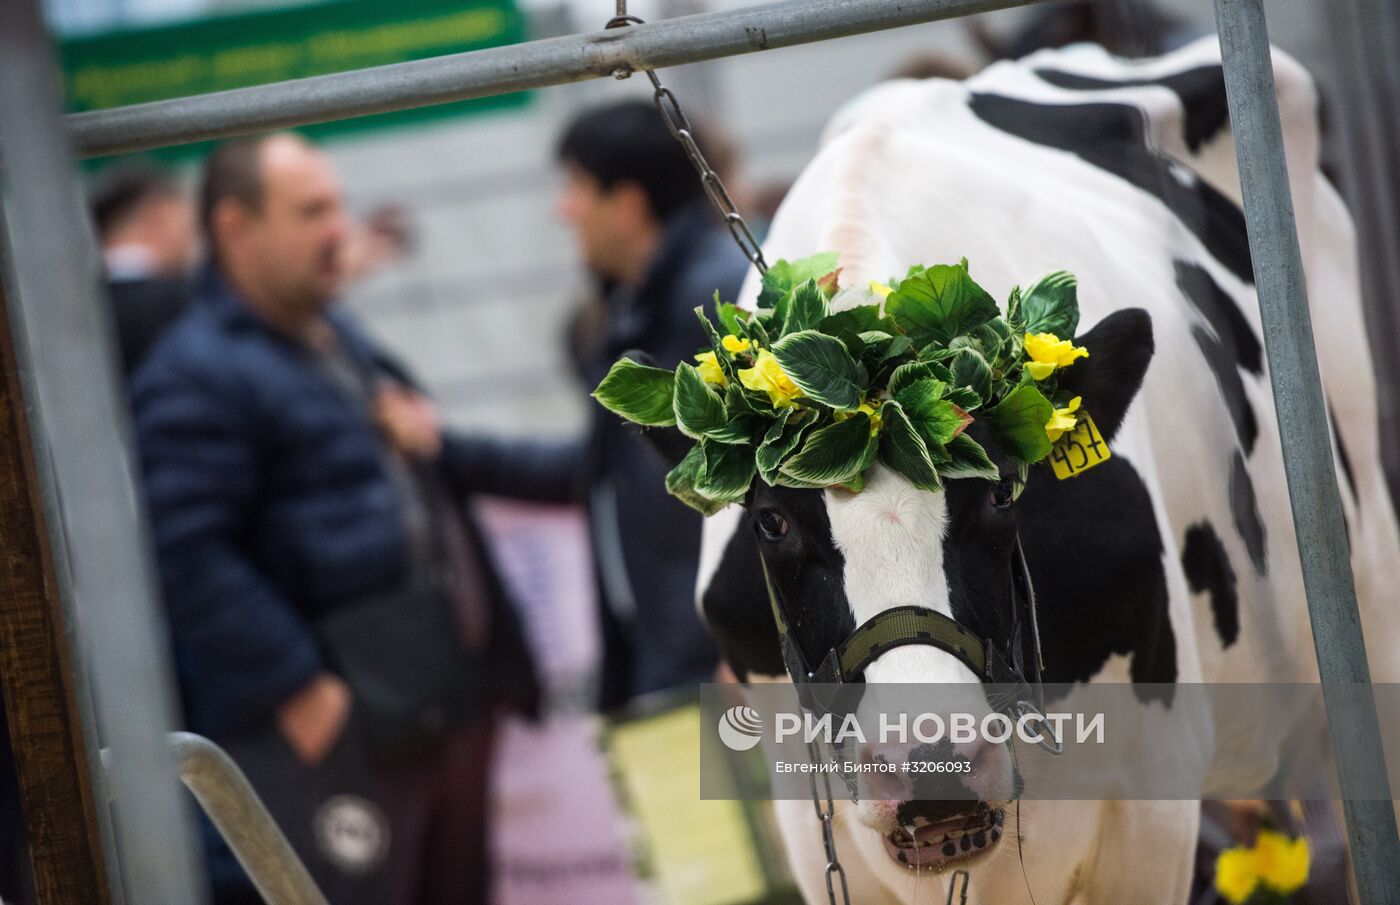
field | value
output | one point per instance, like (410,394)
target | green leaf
(782,438)
(680,483)
(806,308)
(936,419)
(834,454)
(967,459)
(731,316)
(822,367)
(902,449)
(753,329)
(857,320)
(1014,316)
(913,371)
(726,364)
(1019,421)
(1051,305)
(939,303)
(782,276)
(638,393)
(965,398)
(726,472)
(970,369)
(699,410)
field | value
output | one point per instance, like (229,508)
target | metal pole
(1307,453)
(498,70)
(70,380)
(231,803)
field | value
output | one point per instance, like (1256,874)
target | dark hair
(120,190)
(233,170)
(628,142)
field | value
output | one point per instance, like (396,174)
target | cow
(1175,561)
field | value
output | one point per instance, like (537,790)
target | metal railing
(61,317)
(241,819)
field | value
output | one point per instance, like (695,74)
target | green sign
(214,54)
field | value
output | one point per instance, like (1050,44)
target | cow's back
(1124,174)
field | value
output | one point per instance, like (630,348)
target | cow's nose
(972,771)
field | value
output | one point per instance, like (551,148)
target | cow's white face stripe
(891,536)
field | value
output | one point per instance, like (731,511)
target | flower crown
(800,396)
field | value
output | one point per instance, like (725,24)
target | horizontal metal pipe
(499,70)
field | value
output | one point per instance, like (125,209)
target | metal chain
(825,813)
(681,131)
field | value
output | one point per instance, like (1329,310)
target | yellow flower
(1048,352)
(1063,420)
(1236,874)
(880,289)
(709,369)
(1282,862)
(734,345)
(767,375)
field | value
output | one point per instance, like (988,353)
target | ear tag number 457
(1079,450)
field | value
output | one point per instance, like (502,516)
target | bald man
(336,622)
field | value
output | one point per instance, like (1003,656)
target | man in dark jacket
(645,231)
(307,515)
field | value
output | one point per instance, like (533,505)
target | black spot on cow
(1202,92)
(736,608)
(1095,555)
(1227,378)
(1245,509)
(1208,571)
(1220,311)
(808,581)
(1113,137)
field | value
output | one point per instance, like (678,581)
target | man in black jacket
(336,620)
(646,233)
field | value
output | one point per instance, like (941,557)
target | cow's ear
(1120,348)
(667,442)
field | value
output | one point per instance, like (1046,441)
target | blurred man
(146,228)
(337,624)
(644,230)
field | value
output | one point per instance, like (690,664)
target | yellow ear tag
(1080,449)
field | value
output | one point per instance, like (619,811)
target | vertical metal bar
(44,688)
(1307,453)
(77,416)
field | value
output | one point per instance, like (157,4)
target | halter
(845,662)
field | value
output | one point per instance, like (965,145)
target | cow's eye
(1001,495)
(772,525)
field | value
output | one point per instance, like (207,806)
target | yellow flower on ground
(1048,352)
(1236,874)
(734,345)
(880,289)
(768,376)
(709,369)
(1063,420)
(1282,862)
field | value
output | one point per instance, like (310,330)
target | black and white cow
(1175,561)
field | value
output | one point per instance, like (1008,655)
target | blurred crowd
(336,616)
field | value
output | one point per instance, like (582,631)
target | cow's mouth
(937,844)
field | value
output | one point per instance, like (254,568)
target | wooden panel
(46,733)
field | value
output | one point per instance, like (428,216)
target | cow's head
(835,559)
